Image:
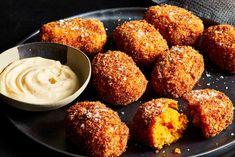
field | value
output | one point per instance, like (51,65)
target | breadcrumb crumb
(177,151)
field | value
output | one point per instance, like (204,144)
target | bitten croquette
(98,130)
(212,111)
(177,25)
(88,35)
(158,123)
(117,79)
(141,41)
(218,42)
(177,71)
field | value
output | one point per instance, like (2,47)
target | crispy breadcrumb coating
(141,41)
(177,71)
(177,25)
(88,35)
(218,42)
(117,79)
(158,123)
(212,111)
(96,129)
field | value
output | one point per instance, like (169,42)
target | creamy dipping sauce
(38,80)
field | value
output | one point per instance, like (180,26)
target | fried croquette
(177,25)
(117,79)
(88,35)
(212,111)
(218,42)
(141,41)
(158,123)
(177,71)
(98,130)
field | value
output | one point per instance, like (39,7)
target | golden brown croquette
(177,71)
(117,79)
(141,41)
(158,123)
(88,35)
(98,130)
(218,42)
(177,25)
(212,111)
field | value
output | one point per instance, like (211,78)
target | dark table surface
(20,18)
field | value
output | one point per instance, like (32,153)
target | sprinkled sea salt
(222,104)
(201,96)
(61,21)
(208,84)
(208,75)
(75,28)
(89,114)
(130,25)
(140,34)
(177,49)
(217,31)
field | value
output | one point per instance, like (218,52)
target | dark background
(20,18)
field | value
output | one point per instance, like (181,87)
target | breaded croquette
(88,35)
(98,130)
(141,41)
(177,71)
(177,25)
(212,111)
(117,79)
(218,42)
(158,123)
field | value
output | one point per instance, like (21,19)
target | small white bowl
(69,56)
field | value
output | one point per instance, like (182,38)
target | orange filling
(168,127)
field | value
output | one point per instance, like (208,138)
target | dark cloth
(221,11)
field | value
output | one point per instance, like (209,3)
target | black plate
(47,128)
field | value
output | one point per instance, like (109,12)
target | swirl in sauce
(38,80)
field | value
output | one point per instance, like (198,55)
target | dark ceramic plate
(47,127)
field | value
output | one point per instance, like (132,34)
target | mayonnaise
(38,80)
